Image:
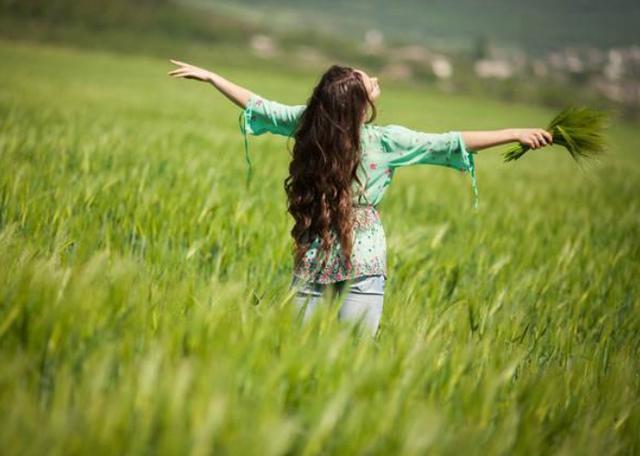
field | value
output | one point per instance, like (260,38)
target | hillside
(534,26)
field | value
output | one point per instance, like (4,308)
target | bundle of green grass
(580,130)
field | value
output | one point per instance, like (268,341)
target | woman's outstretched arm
(532,137)
(260,116)
(237,94)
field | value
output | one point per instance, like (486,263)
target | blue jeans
(362,304)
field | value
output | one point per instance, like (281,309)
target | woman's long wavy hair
(326,156)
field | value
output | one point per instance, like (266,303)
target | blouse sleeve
(262,115)
(403,147)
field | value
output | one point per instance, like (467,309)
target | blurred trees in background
(208,32)
(142,15)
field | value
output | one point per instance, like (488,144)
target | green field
(143,287)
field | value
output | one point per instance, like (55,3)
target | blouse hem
(307,279)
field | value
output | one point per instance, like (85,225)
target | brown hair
(326,156)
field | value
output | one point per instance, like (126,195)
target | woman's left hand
(190,72)
(534,138)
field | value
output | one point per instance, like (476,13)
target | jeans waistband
(372,284)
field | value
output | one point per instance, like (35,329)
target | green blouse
(384,149)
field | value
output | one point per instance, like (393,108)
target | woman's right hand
(237,94)
(190,72)
(534,138)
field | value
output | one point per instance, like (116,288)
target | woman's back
(383,150)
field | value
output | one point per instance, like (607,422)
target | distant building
(263,46)
(614,68)
(441,67)
(493,68)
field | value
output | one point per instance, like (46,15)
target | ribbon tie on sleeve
(244,118)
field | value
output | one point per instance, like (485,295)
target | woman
(340,169)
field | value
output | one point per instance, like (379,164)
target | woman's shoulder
(388,134)
(386,129)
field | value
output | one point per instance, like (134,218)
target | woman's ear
(371,109)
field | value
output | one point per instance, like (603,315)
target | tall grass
(143,289)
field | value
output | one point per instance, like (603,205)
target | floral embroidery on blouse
(368,256)
(384,150)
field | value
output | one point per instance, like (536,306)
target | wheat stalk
(580,130)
